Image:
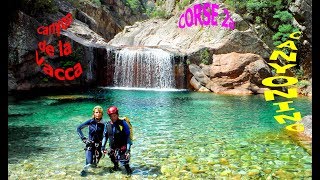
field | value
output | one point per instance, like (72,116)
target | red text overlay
(64,49)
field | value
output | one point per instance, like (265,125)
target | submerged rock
(225,173)
(253,172)
(224,161)
(304,139)
(307,122)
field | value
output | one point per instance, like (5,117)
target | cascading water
(144,68)
(90,58)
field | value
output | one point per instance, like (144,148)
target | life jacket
(113,137)
(130,126)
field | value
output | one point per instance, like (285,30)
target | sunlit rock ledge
(232,73)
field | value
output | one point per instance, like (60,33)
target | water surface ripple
(183,135)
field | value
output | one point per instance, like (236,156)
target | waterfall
(144,68)
(89,56)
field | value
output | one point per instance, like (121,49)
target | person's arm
(127,132)
(80,127)
(105,137)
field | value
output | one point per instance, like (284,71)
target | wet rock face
(12,84)
(302,12)
(22,41)
(232,73)
(84,35)
(64,6)
(22,38)
(167,35)
(23,71)
(101,21)
(109,19)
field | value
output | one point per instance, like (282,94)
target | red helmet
(112,110)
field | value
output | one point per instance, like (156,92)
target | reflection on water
(177,134)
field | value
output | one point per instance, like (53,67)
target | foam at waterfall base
(144,89)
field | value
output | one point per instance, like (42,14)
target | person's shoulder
(107,122)
(85,123)
(123,118)
(124,122)
(104,121)
(89,121)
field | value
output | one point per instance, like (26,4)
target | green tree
(183,4)
(205,56)
(134,5)
(96,2)
(284,16)
(285,28)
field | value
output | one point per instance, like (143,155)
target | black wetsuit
(95,135)
(118,134)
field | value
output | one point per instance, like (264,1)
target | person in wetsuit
(93,142)
(118,133)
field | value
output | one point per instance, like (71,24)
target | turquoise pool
(178,134)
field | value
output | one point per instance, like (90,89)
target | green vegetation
(181,5)
(157,10)
(134,5)
(273,13)
(237,6)
(159,13)
(205,57)
(284,29)
(149,8)
(75,3)
(68,63)
(299,73)
(283,33)
(45,79)
(303,83)
(284,16)
(96,2)
(258,19)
